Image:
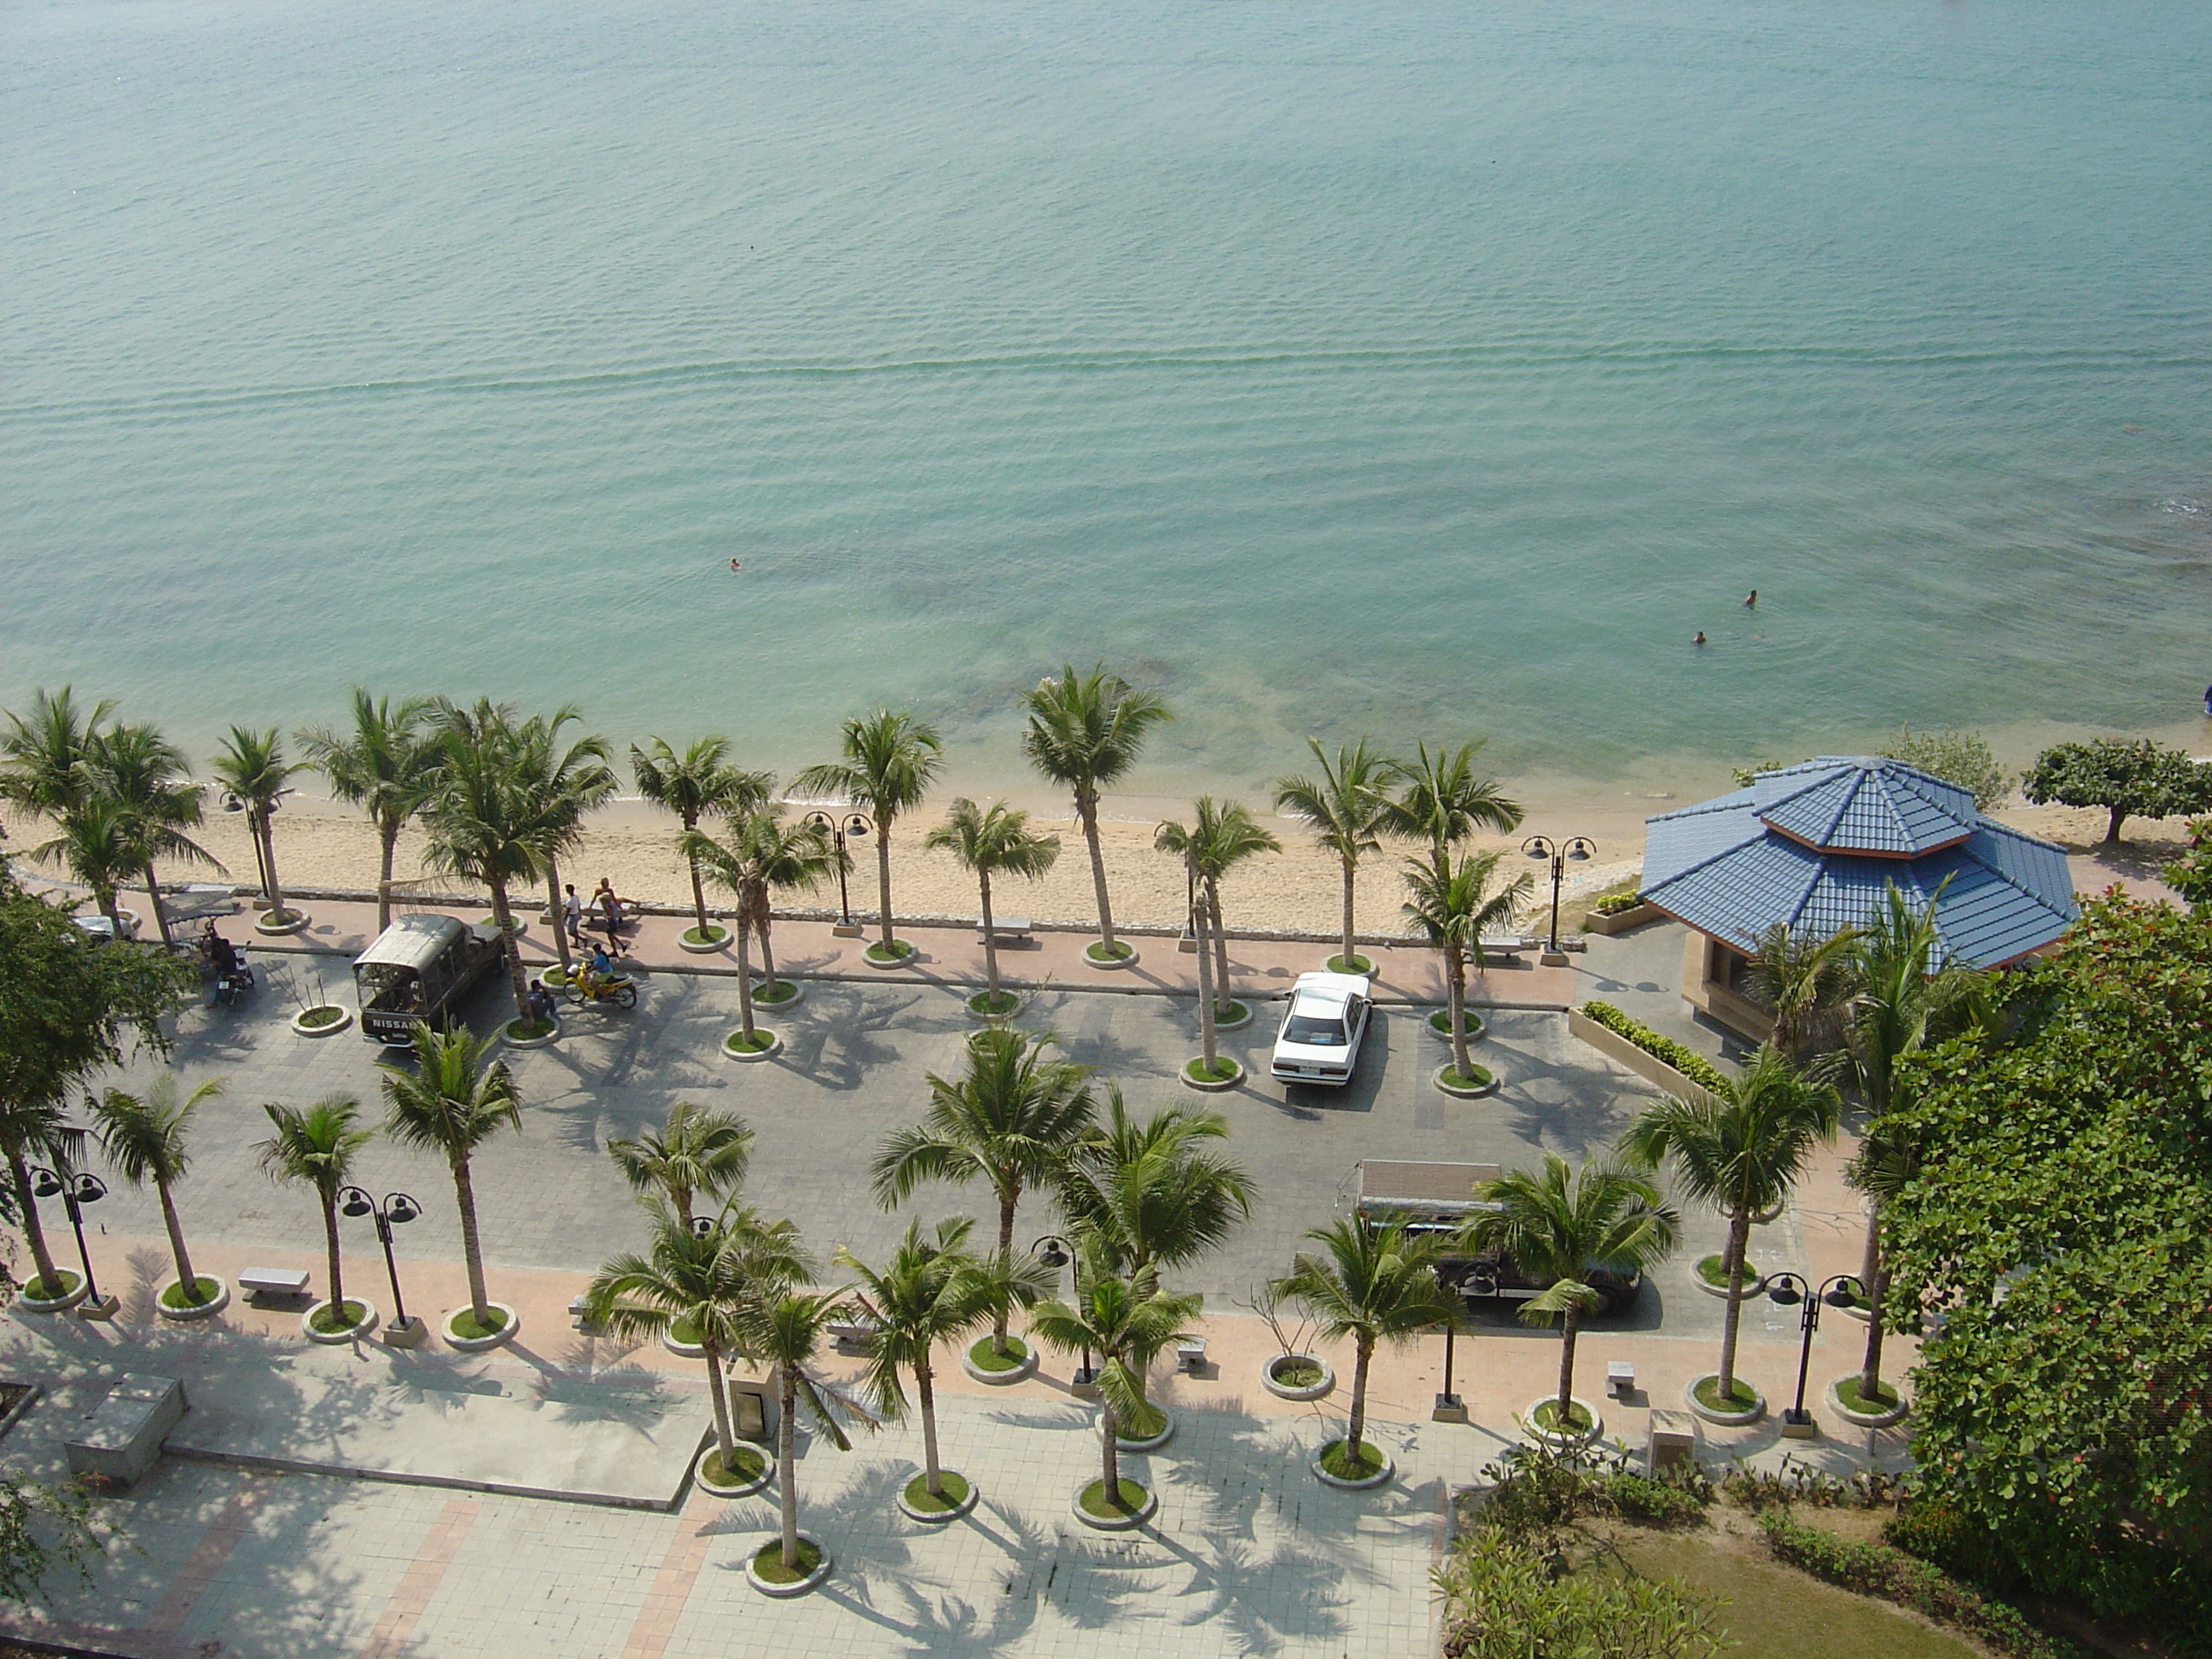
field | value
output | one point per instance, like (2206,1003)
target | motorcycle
(582,988)
(233,978)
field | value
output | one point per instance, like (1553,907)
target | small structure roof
(411,941)
(1816,846)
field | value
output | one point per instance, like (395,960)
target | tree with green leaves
(1371,1285)
(1806,979)
(696,1153)
(452,1104)
(386,765)
(1010,1120)
(99,845)
(1450,904)
(1344,804)
(693,785)
(317,1148)
(2191,875)
(1442,800)
(1209,1066)
(1742,1154)
(1125,1322)
(1961,757)
(144,1137)
(43,1525)
(251,765)
(1558,1224)
(1084,732)
(567,782)
(993,840)
(761,855)
(785,1330)
(1154,1192)
(890,760)
(139,770)
(43,753)
(1221,836)
(2130,778)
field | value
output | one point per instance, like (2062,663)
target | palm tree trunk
(28,1208)
(1008,1198)
(990,942)
(699,898)
(763,920)
(787,1471)
(331,1251)
(160,915)
(726,1443)
(1364,1356)
(1110,1431)
(464,1195)
(1738,1238)
(553,910)
(387,836)
(925,1388)
(744,981)
(269,863)
(1570,1327)
(1351,873)
(1873,1285)
(1206,1043)
(883,877)
(185,1274)
(106,898)
(1086,811)
(1220,941)
(503,919)
(1456,1005)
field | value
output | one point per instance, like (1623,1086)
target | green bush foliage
(1691,1064)
(2191,875)
(2128,778)
(1961,757)
(1504,1600)
(1614,904)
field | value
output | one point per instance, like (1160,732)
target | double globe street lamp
(853,826)
(396,1210)
(1580,849)
(1056,1253)
(77,1189)
(1794,1290)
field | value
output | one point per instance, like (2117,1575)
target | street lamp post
(396,1210)
(858,826)
(1056,1253)
(75,1189)
(1791,1290)
(1450,1407)
(1577,847)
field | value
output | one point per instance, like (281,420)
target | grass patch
(1348,965)
(681,1330)
(1470,1021)
(1223,1070)
(711,935)
(323,1014)
(774,992)
(918,1495)
(1885,1399)
(1141,1425)
(1360,1463)
(1478,1078)
(1742,1395)
(1119,951)
(897,950)
(337,1316)
(1127,1500)
(990,1008)
(283,918)
(768,1561)
(42,1289)
(204,1291)
(1295,1372)
(742,1467)
(527,1031)
(1230,1012)
(1015,1356)
(739,1043)
(1710,1270)
(1547,1417)
(465,1325)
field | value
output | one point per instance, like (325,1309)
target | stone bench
(1007,930)
(274,1281)
(852,1332)
(122,1437)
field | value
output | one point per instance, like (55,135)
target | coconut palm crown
(450,1103)
(1450,904)
(1084,732)
(993,840)
(1442,800)
(251,765)
(144,1137)
(890,760)
(696,1153)
(317,1148)
(760,855)
(693,785)
(386,765)
(1125,1322)
(1343,804)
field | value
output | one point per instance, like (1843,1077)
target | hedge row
(1691,1064)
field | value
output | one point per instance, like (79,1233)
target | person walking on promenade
(572,915)
(609,908)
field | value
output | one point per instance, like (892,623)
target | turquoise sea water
(1416,369)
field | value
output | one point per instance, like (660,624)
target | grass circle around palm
(981,1356)
(1470,1021)
(1547,1417)
(1711,1271)
(744,1465)
(918,1495)
(681,1330)
(987,1006)
(760,1042)
(1355,964)
(1143,1423)
(768,1561)
(1886,1397)
(1741,1397)
(335,1317)
(1128,1498)
(468,1328)
(528,1030)
(322,1014)
(715,933)
(1294,1370)
(774,993)
(204,1291)
(1477,1077)
(1099,951)
(898,950)
(62,1285)
(1364,1462)
(1223,1070)
(1230,1011)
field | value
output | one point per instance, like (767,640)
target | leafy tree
(565,782)
(1505,1599)
(1085,731)
(1344,806)
(1125,1322)
(1373,1284)
(890,760)
(2191,875)
(387,766)
(1442,801)
(43,1525)
(1010,1120)
(251,765)
(1558,1223)
(145,1138)
(1452,907)
(1153,1193)
(2057,1219)
(988,840)
(1222,835)
(693,784)
(1805,979)
(1741,1154)
(136,769)
(1961,757)
(762,854)
(452,1104)
(317,1148)
(786,1331)
(100,846)
(697,1154)
(2128,778)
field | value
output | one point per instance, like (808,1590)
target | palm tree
(1175,836)
(1905,1000)
(890,760)
(696,1154)
(387,766)
(786,1331)
(700,1280)
(1010,1120)
(996,840)
(1443,800)
(144,1136)
(1560,1224)
(1152,1193)
(486,823)
(138,769)
(691,785)
(318,1147)
(451,1103)
(99,844)
(45,750)
(1085,731)
(1804,979)
(1125,1322)
(1371,1283)
(1741,1154)
(1452,908)
(566,783)
(30,1128)
(1344,804)
(762,854)
(1222,835)
(251,765)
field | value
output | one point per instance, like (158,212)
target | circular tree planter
(1754,1281)
(778,1586)
(279,923)
(1192,1078)
(1441,1080)
(1021,1371)
(324,1019)
(72,1292)
(1236,1021)
(479,1343)
(1351,1483)
(1358,965)
(170,1302)
(1150,1442)
(916,1505)
(718,938)
(779,994)
(543,1040)
(705,1469)
(903,954)
(978,1006)
(551,977)
(1726,1417)
(1857,1415)
(1092,958)
(1322,1383)
(680,1346)
(1439,1025)
(1537,1417)
(767,1050)
(361,1327)
(1125,1519)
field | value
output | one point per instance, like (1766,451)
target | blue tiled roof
(1722,867)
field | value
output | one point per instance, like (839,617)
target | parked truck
(417,973)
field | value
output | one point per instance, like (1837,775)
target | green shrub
(1503,1600)
(1649,1502)
(1691,1064)
(1614,904)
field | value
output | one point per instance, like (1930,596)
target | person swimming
(735,566)
(1699,638)
(1750,600)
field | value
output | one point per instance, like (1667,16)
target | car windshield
(1315,1028)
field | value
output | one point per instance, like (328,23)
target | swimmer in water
(1700,638)
(1750,600)
(735,566)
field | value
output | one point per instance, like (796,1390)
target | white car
(1319,1042)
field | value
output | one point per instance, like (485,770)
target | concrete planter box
(797,1587)
(351,1333)
(1005,1379)
(1311,1391)
(206,1309)
(1144,1511)
(480,1344)
(1563,1437)
(344,1021)
(1613,1046)
(1864,1419)
(1622,920)
(1750,1413)
(1387,1473)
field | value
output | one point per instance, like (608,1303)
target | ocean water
(1421,369)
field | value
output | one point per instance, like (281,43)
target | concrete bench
(1508,947)
(848,1334)
(580,1316)
(274,1281)
(1007,930)
(1190,1354)
(1621,1378)
(122,1436)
